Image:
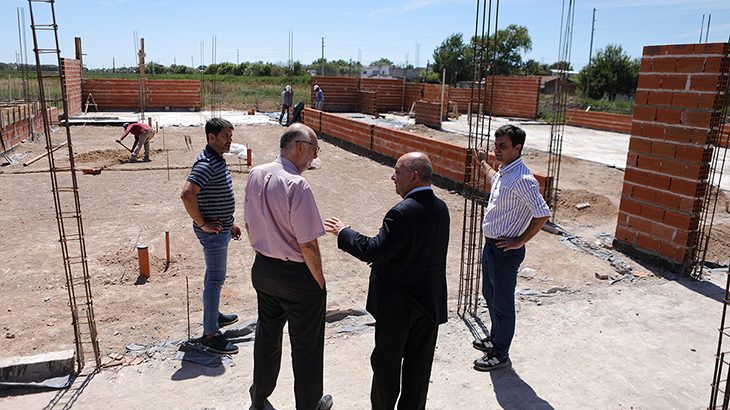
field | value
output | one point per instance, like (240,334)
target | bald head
(419,162)
(413,170)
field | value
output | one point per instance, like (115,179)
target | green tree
(452,55)
(382,61)
(532,67)
(612,72)
(508,45)
(561,65)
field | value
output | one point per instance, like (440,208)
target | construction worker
(287,96)
(143,133)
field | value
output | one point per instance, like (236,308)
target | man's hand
(334,226)
(236,232)
(480,154)
(509,243)
(214,226)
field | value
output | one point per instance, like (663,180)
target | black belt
(490,241)
(279,261)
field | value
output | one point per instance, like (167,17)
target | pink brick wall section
(670,148)
(599,120)
(448,159)
(19,121)
(123,94)
(340,93)
(72,77)
(428,113)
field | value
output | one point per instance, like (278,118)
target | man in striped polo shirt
(208,199)
(515,214)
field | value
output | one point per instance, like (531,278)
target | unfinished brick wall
(123,94)
(513,96)
(428,113)
(19,122)
(72,81)
(599,120)
(340,93)
(670,150)
(387,145)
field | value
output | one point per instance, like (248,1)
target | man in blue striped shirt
(208,199)
(515,214)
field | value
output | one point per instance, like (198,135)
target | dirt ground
(643,342)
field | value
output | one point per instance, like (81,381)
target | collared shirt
(215,198)
(514,201)
(280,210)
(287,98)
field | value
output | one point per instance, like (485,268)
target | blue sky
(399,30)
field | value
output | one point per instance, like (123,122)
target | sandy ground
(638,343)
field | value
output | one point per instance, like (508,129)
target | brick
(658,181)
(640,145)
(696,118)
(673,251)
(659,98)
(636,128)
(710,101)
(663,65)
(680,49)
(714,64)
(648,242)
(630,206)
(645,194)
(622,218)
(654,50)
(690,64)
(697,171)
(650,163)
(662,231)
(694,153)
(632,159)
(652,213)
(704,82)
(686,187)
(678,134)
(635,175)
(649,81)
(674,82)
(681,220)
(663,149)
(667,200)
(644,113)
(626,234)
(711,48)
(690,205)
(700,137)
(685,99)
(639,224)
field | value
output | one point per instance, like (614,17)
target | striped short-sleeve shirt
(215,199)
(514,201)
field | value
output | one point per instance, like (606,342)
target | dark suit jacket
(408,257)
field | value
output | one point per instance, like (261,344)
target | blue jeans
(499,279)
(215,249)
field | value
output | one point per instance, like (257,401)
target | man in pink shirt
(283,225)
(143,133)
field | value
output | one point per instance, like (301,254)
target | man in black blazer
(407,292)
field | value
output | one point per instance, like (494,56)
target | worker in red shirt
(143,133)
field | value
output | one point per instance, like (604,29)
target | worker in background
(319,99)
(143,133)
(287,96)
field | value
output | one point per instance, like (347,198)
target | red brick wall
(599,120)
(670,150)
(123,94)
(367,101)
(428,113)
(16,121)
(389,91)
(448,159)
(340,93)
(72,77)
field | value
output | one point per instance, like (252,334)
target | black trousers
(287,291)
(407,351)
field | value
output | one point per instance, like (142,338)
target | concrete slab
(37,368)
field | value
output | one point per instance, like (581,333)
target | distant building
(389,71)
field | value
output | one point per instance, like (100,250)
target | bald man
(407,292)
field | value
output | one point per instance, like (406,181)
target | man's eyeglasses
(316,148)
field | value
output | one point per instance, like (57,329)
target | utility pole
(590,53)
(322,56)
(237,57)
(702,26)
(707,33)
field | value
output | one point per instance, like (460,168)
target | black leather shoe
(325,403)
(225,320)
